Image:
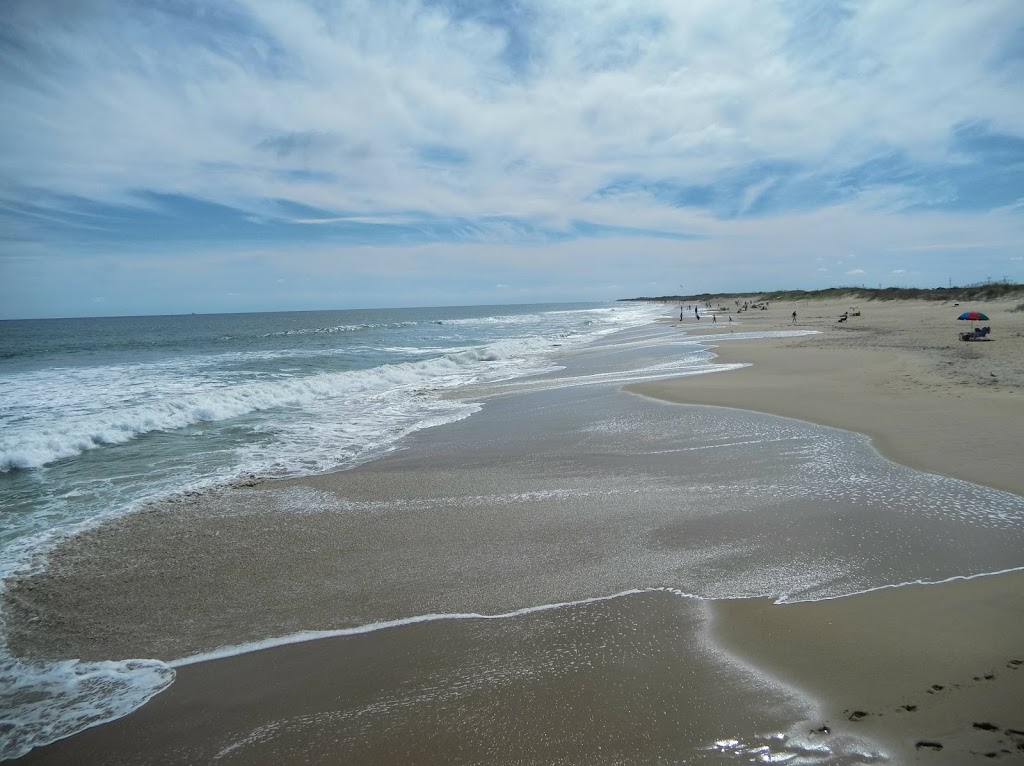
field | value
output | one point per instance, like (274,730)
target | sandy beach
(897,373)
(936,672)
(542,511)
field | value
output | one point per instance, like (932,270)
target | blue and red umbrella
(974,316)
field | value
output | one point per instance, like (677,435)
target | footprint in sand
(1016,736)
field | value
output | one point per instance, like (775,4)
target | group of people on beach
(696,313)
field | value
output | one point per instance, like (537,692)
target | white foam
(339,328)
(316,635)
(114,404)
(753,335)
(58,434)
(40,704)
(888,586)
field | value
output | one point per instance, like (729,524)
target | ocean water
(498,432)
(101,416)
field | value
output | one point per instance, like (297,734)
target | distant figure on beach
(794,317)
(680,315)
(730,319)
(714,318)
(696,314)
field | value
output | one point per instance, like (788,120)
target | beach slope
(933,673)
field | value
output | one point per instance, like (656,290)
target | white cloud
(145,100)
(855,272)
(405,113)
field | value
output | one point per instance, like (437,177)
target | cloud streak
(514,122)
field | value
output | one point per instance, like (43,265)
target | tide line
(954,578)
(315,635)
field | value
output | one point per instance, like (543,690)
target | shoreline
(923,400)
(932,673)
(845,662)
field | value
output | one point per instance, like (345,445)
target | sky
(177,156)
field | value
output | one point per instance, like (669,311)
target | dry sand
(898,373)
(935,673)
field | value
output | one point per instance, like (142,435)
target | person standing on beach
(794,317)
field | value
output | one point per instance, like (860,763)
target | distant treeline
(989,291)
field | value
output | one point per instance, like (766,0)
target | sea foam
(42,703)
(32,442)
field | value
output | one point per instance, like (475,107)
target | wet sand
(897,373)
(934,673)
(630,680)
(596,683)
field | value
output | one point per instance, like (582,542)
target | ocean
(441,466)
(100,416)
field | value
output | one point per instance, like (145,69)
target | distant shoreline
(985,291)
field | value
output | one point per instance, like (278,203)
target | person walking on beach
(794,317)
(714,318)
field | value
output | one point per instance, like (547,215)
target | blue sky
(163,156)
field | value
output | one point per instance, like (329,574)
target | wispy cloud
(379,122)
(956,246)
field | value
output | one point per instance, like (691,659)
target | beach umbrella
(973,316)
